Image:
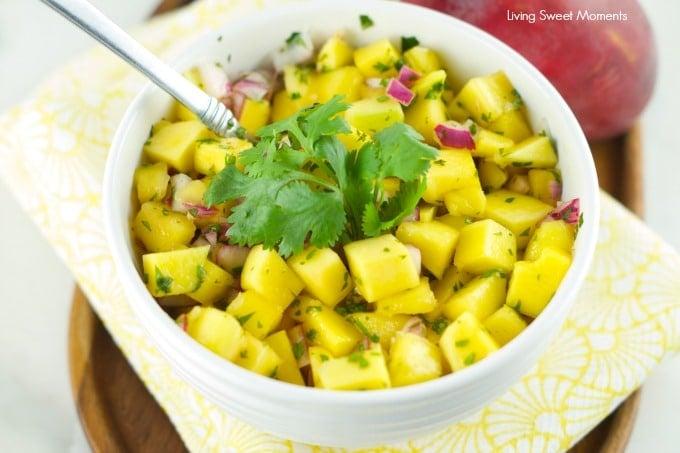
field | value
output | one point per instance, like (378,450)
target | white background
(36,410)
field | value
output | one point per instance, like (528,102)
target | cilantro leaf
(374,222)
(397,142)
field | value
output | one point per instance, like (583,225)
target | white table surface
(36,410)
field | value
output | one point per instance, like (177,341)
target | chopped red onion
(182,321)
(177,183)
(415,325)
(199,210)
(400,92)
(555,190)
(569,211)
(200,242)
(407,76)
(230,257)
(454,135)
(211,237)
(414,253)
(214,78)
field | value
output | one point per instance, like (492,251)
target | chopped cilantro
(381,67)
(408,42)
(382,98)
(486,117)
(163,282)
(359,359)
(522,164)
(295,39)
(435,90)
(146,225)
(510,199)
(345,280)
(439,325)
(524,233)
(311,334)
(244,319)
(313,309)
(462,343)
(324,357)
(273,373)
(492,272)
(295,95)
(200,277)
(469,359)
(351,306)
(517,101)
(375,338)
(472,128)
(365,21)
(298,349)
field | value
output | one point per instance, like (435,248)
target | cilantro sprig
(299,183)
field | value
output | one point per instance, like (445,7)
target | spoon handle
(210,110)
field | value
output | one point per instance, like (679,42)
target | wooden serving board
(118,414)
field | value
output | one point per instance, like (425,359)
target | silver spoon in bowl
(207,108)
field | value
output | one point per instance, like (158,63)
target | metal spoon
(209,109)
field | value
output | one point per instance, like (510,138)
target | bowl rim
(143,304)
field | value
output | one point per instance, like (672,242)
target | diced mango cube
(454,169)
(455,221)
(468,201)
(323,273)
(422,59)
(489,144)
(373,115)
(317,356)
(256,314)
(546,185)
(452,282)
(377,59)
(254,115)
(409,302)
(258,357)
(345,81)
(504,325)
(266,273)
(485,245)
(286,104)
(288,370)
(211,154)
(534,152)
(334,54)
(424,115)
(431,85)
(160,124)
(533,283)
(161,229)
(491,176)
(481,297)
(175,272)
(175,144)
(214,284)
(518,213)
(435,240)
(413,359)
(297,80)
(556,234)
(368,259)
(465,342)
(427,212)
(151,182)
(512,124)
(325,327)
(519,183)
(217,331)
(378,326)
(361,370)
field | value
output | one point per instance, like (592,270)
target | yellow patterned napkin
(52,153)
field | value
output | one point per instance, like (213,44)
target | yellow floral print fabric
(52,154)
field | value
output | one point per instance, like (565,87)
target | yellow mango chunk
(211,154)
(151,182)
(266,273)
(378,326)
(489,144)
(288,370)
(413,359)
(323,274)
(258,357)
(361,370)
(491,176)
(456,112)
(452,282)
(422,59)
(427,212)
(455,221)
(317,356)
(217,331)
(373,115)
(334,54)
(435,240)
(377,59)
(175,144)
(518,213)
(555,234)
(533,283)
(368,259)
(454,169)
(424,115)
(161,229)
(410,302)
(519,183)
(256,314)
(431,85)
(468,201)
(214,284)
(324,327)
(534,152)
(465,342)
(481,297)
(513,125)
(546,185)
(487,98)
(286,104)
(160,124)
(297,80)
(504,325)
(254,115)
(485,245)
(175,272)
(345,81)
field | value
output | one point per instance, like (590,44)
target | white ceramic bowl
(353,418)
